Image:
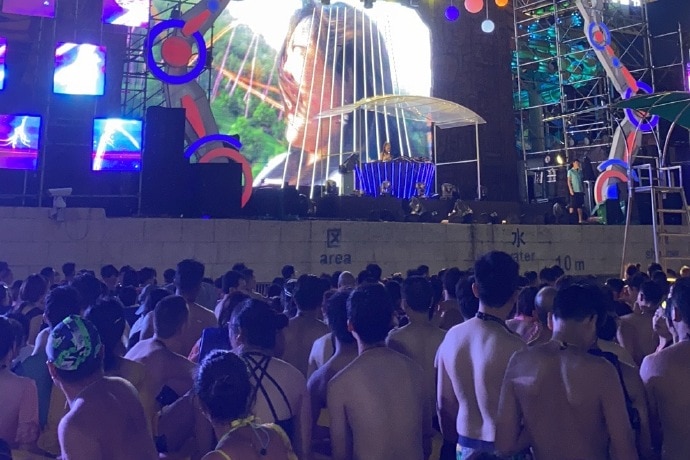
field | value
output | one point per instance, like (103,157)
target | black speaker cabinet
(216,189)
(166,179)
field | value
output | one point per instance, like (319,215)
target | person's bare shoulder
(653,365)
(289,370)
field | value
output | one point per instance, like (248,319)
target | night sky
(664,15)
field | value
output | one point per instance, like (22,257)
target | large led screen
(44,8)
(3,53)
(273,73)
(116,144)
(19,139)
(131,13)
(79,69)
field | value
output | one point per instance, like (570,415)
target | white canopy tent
(440,113)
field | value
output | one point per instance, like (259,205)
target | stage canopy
(443,114)
(673,106)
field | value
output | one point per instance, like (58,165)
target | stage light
(79,69)
(559,159)
(368,3)
(488,26)
(421,189)
(116,145)
(19,138)
(501,3)
(3,52)
(452,13)
(386,188)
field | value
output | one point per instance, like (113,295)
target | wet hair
(631,270)
(130,278)
(450,280)
(33,288)
(564,281)
(557,271)
(616,285)
(681,299)
(231,279)
(547,275)
(89,288)
(258,322)
(661,279)
(223,386)
(229,305)
(47,272)
(308,293)
(169,315)
(467,301)
(69,268)
(437,287)
(188,275)
(394,290)
(108,271)
(336,310)
(652,292)
(370,311)
(108,316)
(579,303)
(61,302)
(146,274)
(152,299)
(334,279)
(636,281)
(606,329)
(418,293)
(127,295)
(375,271)
(288,271)
(531,276)
(169,275)
(496,276)
(7,337)
(274,290)
(365,277)
(653,268)
(423,270)
(525,301)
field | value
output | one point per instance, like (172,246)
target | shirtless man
(346,280)
(232,281)
(345,353)
(168,374)
(526,324)
(105,418)
(666,375)
(419,340)
(474,355)
(561,401)
(304,328)
(449,313)
(543,306)
(376,404)
(636,330)
(188,279)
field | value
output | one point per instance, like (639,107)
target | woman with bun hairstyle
(225,393)
(279,390)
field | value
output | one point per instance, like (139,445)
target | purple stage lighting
(3,52)
(79,69)
(19,136)
(131,13)
(116,144)
(44,8)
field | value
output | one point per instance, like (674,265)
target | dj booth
(401,176)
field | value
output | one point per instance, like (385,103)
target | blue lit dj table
(403,175)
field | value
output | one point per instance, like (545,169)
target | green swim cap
(73,342)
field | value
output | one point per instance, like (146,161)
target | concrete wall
(30,240)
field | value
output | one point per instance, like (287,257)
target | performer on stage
(386,152)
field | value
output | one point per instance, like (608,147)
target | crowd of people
(484,363)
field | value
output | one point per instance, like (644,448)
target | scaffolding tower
(562,96)
(140,89)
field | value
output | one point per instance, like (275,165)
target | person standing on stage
(386,152)
(577,190)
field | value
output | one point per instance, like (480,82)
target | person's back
(305,328)
(107,422)
(106,419)
(377,404)
(474,355)
(419,340)
(666,376)
(636,330)
(200,318)
(566,397)
(188,280)
(322,350)
(559,398)
(382,393)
